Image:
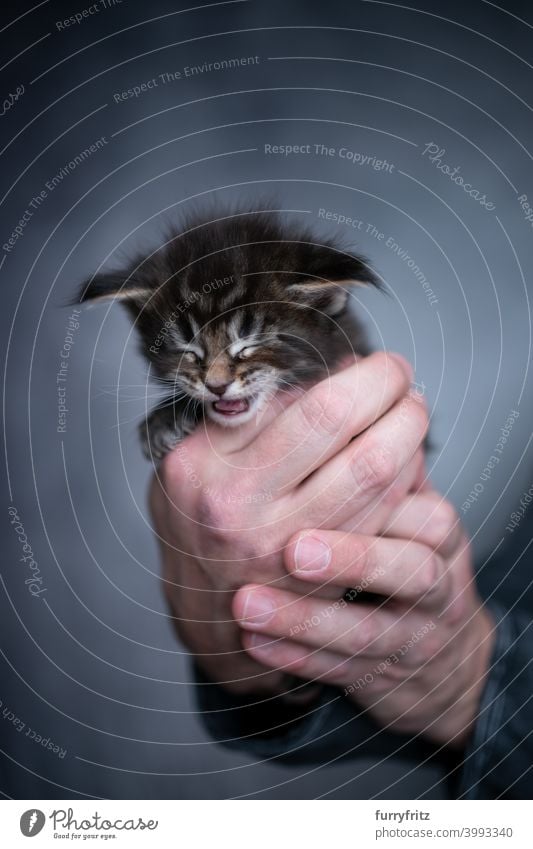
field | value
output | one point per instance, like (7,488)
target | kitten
(232,309)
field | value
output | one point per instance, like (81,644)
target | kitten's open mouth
(232,408)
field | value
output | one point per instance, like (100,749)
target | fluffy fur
(231,309)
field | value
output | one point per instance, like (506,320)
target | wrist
(459,720)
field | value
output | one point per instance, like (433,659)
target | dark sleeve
(328,729)
(498,762)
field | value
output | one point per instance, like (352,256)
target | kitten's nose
(217,388)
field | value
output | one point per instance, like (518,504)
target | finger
(338,626)
(427,518)
(327,667)
(292,658)
(329,591)
(422,482)
(363,470)
(405,570)
(376,515)
(236,439)
(231,440)
(325,419)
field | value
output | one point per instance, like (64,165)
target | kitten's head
(232,310)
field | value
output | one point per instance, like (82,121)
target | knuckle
(396,670)
(458,609)
(394,494)
(359,557)
(373,470)
(444,520)
(216,518)
(297,663)
(429,648)
(392,369)
(430,574)
(367,634)
(229,507)
(413,415)
(419,412)
(323,409)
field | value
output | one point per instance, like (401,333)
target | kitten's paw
(158,435)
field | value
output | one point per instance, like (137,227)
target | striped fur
(243,302)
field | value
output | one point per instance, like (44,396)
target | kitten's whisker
(136,398)
(128,399)
(110,386)
(291,385)
(122,422)
(170,402)
(115,390)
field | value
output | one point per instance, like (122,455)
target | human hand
(417,661)
(226,502)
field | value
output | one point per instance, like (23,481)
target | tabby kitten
(232,309)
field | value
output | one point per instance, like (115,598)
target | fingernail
(257,608)
(311,554)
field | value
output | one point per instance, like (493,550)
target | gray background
(96,667)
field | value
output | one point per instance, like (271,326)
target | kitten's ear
(114,286)
(332,275)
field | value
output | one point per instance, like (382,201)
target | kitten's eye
(246,352)
(191,357)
